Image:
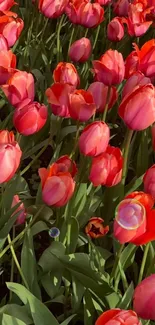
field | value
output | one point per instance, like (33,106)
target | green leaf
(113,300)
(78,292)
(80,199)
(49,260)
(10,320)
(143,153)
(67,321)
(72,235)
(28,264)
(51,282)
(14,310)
(127,298)
(133,185)
(40,313)
(38,227)
(6,229)
(88,309)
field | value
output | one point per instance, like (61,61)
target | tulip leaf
(21,312)
(78,292)
(67,321)
(127,298)
(72,235)
(143,154)
(89,309)
(49,260)
(51,282)
(7,319)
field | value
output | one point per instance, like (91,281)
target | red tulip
(95,228)
(52,8)
(106,168)
(136,79)
(115,29)
(57,184)
(131,64)
(121,8)
(65,164)
(144,297)
(81,105)
(147,59)
(72,10)
(21,209)
(136,21)
(99,92)
(6,4)
(10,155)
(110,68)
(66,73)
(94,139)
(7,65)
(11,27)
(3,43)
(29,118)
(58,98)
(137,108)
(19,87)
(134,222)
(80,50)
(149,181)
(119,317)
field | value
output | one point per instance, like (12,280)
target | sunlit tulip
(136,79)
(66,73)
(137,108)
(144,297)
(19,87)
(110,68)
(94,139)
(99,92)
(146,57)
(119,317)
(131,64)
(134,221)
(10,155)
(81,105)
(115,30)
(80,50)
(20,210)
(106,169)
(11,27)
(7,65)
(95,228)
(52,8)
(6,4)
(136,21)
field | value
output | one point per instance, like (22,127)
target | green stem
(126,153)
(114,270)
(12,264)
(71,38)
(76,141)
(107,103)
(21,234)
(96,37)
(17,263)
(58,38)
(143,262)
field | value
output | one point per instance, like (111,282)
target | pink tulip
(121,8)
(81,105)
(58,98)
(99,92)
(136,79)
(91,14)
(21,209)
(94,139)
(3,43)
(149,181)
(80,50)
(52,8)
(144,297)
(115,30)
(6,4)
(10,155)
(19,87)
(103,2)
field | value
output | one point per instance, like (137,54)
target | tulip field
(77,162)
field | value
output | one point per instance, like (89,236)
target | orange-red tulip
(131,64)
(66,73)
(95,228)
(119,317)
(11,27)
(7,65)
(136,21)
(6,4)
(81,105)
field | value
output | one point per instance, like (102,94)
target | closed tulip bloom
(66,73)
(57,185)
(99,92)
(95,228)
(20,210)
(144,297)
(73,10)
(6,4)
(7,65)
(94,139)
(11,27)
(52,8)
(19,87)
(119,317)
(91,14)
(81,105)
(58,98)
(131,64)
(134,221)
(149,181)
(137,108)
(110,68)
(10,156)
(115,29)
(3,43)
(137,79)
(121,8)
(30,118)
(106,169)
(80,50)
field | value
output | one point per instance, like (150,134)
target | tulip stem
(126,154)
(114,270)
(143,263)
(17,263)
(58,38)
(76,140)
(107,103)
(96,37)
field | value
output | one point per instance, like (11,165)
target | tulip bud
(94,139)
(119,317)
(10,155)
(99,92)
(149,181)
(30,118)
(137,108)
(110,68)
(7,65)
(19,87)
(137,79)
(6,4)
(81,105)
(66,73)
(52,8)
(80,50)
(95,228)
(21,209)
(144,297)
(115,30)
(106,169)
